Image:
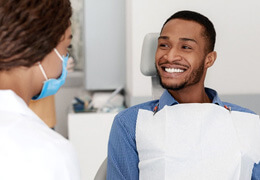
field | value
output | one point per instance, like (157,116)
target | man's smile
(173,70)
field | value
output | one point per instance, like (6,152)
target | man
(189,133)
(34,36)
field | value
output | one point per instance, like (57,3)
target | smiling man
(185,51)
(189,133)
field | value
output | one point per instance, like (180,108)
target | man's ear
(210,59)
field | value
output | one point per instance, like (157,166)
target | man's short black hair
(209,33)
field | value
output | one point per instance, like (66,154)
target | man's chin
(174,87)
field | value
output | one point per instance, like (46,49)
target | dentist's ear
(210,59)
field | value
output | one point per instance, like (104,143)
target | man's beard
(193,79)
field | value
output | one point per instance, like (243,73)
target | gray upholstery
(148,63)
(102,171)
(148,54)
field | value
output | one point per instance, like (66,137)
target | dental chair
(148,69)
(148,63)
(102,171)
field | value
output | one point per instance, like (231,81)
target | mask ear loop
(58,54)
(43,72)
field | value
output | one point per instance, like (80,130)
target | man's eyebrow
(182,39)
(188,39)
(163,37)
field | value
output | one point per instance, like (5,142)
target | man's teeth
(173,70)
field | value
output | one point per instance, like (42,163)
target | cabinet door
(89,133)
(104,31)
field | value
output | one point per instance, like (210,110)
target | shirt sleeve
(256,172)
(122,154)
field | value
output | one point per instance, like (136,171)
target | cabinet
(89,133)
(104,43)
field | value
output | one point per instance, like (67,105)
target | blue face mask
(51,86)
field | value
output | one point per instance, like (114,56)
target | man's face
(180,55)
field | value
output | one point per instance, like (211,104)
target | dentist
(34,37)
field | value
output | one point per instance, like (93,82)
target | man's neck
(191,95)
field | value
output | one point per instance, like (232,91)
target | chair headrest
(148,54)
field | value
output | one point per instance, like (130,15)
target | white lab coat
(29,149)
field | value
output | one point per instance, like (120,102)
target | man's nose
(173,55)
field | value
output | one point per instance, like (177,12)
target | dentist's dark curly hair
(30,29)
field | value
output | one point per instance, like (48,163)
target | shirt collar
(167,100)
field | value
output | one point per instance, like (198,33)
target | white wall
(237,24)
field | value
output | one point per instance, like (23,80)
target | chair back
(147,67)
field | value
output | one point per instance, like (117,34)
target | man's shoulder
(130,114)
(134,109)
(125,121)
(235,107)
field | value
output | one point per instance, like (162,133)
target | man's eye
(186,47)
(163,45)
